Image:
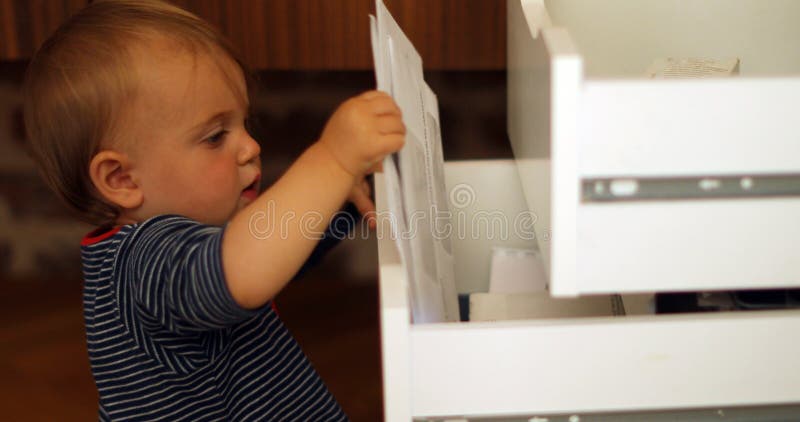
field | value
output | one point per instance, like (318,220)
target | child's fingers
(392,143)
(388,124)
(365,187)
(376,168)
(362,201)
(385,105)
(373,94)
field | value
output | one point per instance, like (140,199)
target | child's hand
(362,131)
(360,197)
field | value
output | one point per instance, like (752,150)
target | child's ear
(111,174)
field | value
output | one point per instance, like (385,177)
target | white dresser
(635,185)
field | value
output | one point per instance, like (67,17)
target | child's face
(192,154)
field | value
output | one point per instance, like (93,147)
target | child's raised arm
(266,243)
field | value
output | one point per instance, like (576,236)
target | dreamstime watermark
(463,219)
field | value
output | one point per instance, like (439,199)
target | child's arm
(344,224)
(301,203)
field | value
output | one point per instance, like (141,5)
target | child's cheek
(220,176)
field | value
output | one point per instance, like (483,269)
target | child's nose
(249,151)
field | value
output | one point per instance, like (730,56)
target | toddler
(135,111)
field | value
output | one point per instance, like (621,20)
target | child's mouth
(251,191)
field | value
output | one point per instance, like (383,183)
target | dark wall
(305,34)
(39,237)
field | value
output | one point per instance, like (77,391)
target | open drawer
(648,185)
(566,365)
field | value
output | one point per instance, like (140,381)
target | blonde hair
(79,80)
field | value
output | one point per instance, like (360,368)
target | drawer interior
(621,38)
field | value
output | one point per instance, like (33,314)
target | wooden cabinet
(25,24)
(305,34)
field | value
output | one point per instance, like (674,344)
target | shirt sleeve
(176,275)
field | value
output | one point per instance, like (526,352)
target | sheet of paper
(438,205)
(394,194)
(414,176)
(376,55)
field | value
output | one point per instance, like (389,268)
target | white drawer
(582,114)
(566,365)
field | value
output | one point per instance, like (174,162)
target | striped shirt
(167,341)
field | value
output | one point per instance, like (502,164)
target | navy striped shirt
(167,341)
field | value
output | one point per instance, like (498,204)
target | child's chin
(244,202)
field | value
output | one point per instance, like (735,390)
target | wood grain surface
(305,34)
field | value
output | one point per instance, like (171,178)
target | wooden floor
(44,369)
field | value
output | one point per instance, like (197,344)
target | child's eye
(217,137)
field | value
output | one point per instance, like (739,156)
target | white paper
(414,175)
(373,36)
(438,205)
(394,195)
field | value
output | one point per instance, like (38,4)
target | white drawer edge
(605,364)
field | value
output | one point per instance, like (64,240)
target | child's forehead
(177,88)
(160,50)
(196,64)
